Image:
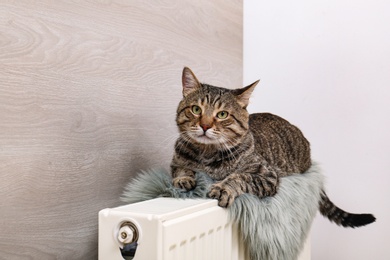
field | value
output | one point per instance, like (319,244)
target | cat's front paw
(184,182)
(225,194)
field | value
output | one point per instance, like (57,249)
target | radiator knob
(126,235)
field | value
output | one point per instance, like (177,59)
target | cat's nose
(205,127)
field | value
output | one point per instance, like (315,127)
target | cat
(242,152)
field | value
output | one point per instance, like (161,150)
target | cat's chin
(203,139)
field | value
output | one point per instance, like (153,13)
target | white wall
(325,66)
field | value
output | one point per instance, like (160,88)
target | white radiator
(171,229)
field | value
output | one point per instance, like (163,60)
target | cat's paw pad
(184,182)
(223,193)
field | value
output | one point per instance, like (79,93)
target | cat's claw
(223,193)
(184,182)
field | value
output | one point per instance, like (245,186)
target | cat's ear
(190,82)
(243,94)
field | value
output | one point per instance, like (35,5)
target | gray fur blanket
(273,228)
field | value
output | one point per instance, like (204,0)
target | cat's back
(280,143)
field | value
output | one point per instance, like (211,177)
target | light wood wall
(88,93)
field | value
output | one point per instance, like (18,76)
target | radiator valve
(128,233)
(125,235)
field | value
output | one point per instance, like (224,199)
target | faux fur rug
(273,228)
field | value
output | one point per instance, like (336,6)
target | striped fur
(243,153)
(340,217)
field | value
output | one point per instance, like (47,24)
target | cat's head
(213,115)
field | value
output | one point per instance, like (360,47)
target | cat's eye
(222,114)
(196,110)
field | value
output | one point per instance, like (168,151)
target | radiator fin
(204,245)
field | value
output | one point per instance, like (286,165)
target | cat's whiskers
(186,140)
(169,139)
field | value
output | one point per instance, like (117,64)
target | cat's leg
(226,191)
(183,178)
(263,183)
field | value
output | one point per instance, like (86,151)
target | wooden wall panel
(88,93)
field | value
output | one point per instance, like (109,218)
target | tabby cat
(243,153)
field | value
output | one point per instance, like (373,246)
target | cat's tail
(340,217)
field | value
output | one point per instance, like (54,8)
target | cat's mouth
(206,138)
